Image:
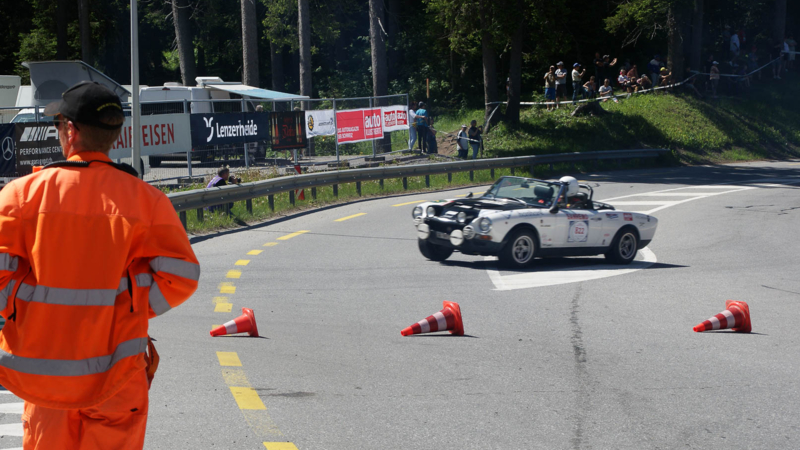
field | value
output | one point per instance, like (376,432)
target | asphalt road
(604,363)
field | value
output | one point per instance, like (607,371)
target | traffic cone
(448,319)
(735,316)
(246,323)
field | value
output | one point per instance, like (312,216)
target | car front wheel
(623,247)
(434,252)
(520,250)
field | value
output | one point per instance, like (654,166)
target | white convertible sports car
(519,219)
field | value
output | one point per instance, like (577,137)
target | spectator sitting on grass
(643,83)
(633,73)
(666,77)
(624,82)
(605,90)
(591,88)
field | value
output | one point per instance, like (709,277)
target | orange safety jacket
(87,256)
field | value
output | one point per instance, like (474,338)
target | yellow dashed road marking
(462,195)
(279,446)
(350,217)
(270,244)
(242,262)
(236,274)
(404,204)
(227,288)
(255,252)
(289,236)
(229,359)
(223,307)
(247,398)
(220,300)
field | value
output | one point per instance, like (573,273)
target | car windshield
(532,192)
(29,118)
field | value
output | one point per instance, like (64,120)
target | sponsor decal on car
(628,217)
(612,216)
(577,216)
(578,231)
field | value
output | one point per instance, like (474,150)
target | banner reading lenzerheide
(320,123)
(36,145)
(395,118)
(358,125)
(7,145)
(229,128)
(286,128)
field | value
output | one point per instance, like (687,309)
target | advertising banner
(229,128)
(320,123)
(359,125)
(36,145)
(160,133)
(286,129)
(395,118)
(8,160)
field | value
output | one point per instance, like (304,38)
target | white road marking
(11,408)
(566,275)
(644,202)
(11,429)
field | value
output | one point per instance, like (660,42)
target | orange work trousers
(118,423)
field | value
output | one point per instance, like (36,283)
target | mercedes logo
(8,148)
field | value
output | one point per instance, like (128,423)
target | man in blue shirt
(422,127)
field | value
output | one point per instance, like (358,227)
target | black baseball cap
(85,103)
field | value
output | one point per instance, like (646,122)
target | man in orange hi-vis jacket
(88,253)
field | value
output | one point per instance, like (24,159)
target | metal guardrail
(201,198)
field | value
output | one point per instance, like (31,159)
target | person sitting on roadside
(591,87)
(605,90)
(666,77)
(624,81)
(643,83)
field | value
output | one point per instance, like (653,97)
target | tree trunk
(276,63)
(779,25)
(515,69)
(675,54)
(249,44)
(304,36)
(697,35)
(393,30)
(61,30)
(183,35)
(489,61)
(86,32)
(380,83)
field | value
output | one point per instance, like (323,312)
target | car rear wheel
(623,247)
(434,252)
(520,250)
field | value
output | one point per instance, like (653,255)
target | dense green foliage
(428,39)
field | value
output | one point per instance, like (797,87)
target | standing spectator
(422,127)
(561,83)
(627,65)
(475,134)
(655,67)
(735,45)
(792,46)
(577,86)
(714,78)
(605,90)
(598,66)
(462,144)
(412,126)
(550,87)
(591,87)
(608,63)
(777,58)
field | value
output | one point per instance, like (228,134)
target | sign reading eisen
(229,128)
(164,133)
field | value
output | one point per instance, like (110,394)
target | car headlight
(485,224)
(431,211)
(462,217)
(417,212)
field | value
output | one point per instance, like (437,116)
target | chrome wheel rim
(522,251)
(627,246)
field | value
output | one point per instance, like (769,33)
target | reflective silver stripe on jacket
(64,296)
(157,300)
(123,285)
(8,262)
(177,267)
(72,368)
(6,292)
(143,280)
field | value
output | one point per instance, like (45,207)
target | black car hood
(488,203)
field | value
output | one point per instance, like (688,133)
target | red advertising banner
(359,125)
(395,118)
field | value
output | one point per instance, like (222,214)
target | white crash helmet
(572,185)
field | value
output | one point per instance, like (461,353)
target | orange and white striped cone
(300,193)
(246,323)
(736,316)
(448,319)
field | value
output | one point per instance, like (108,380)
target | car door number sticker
(578,231)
